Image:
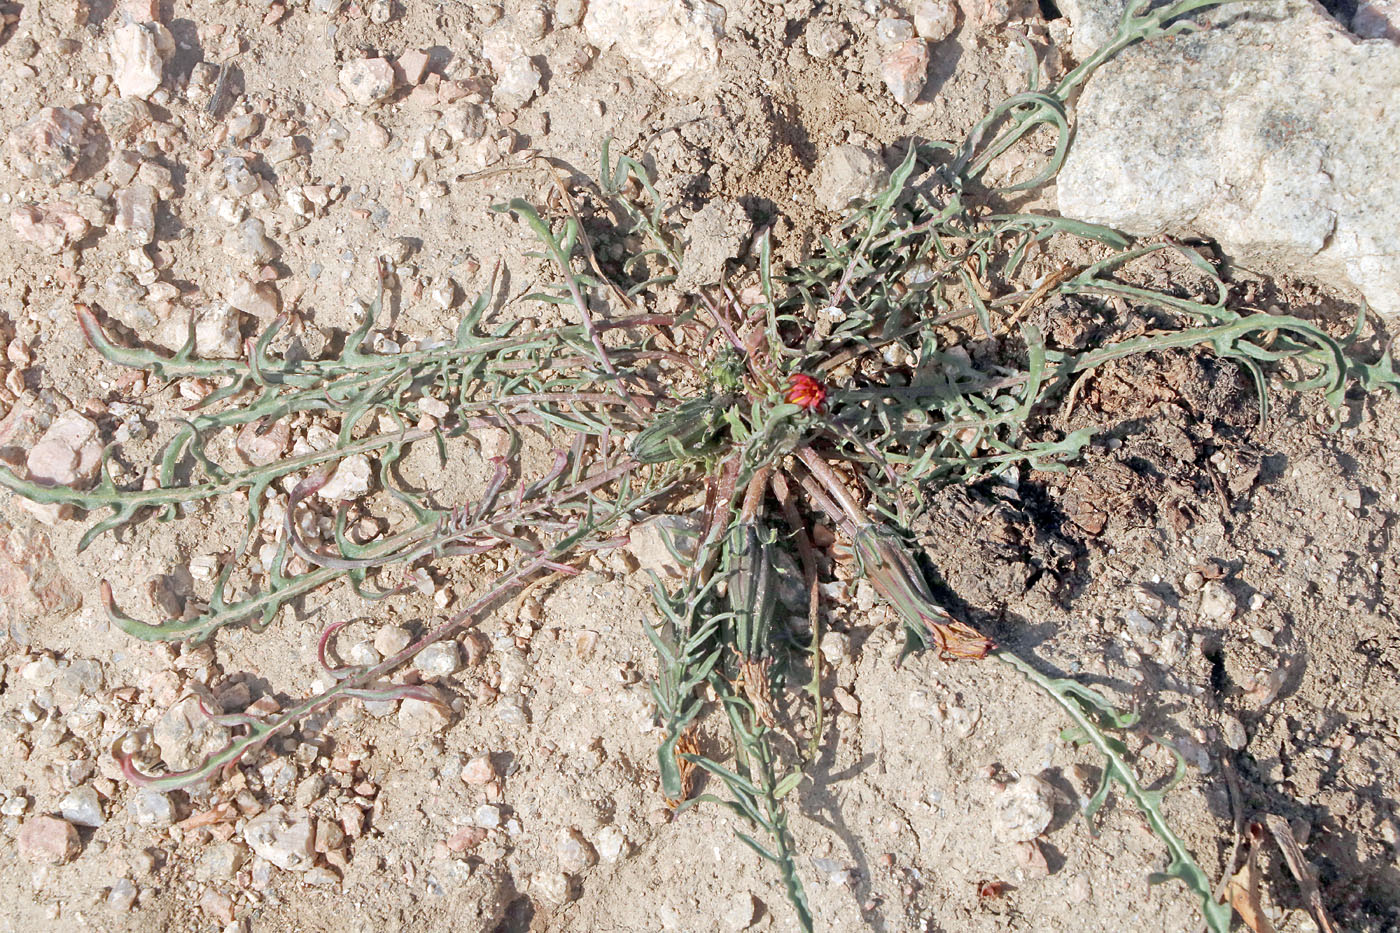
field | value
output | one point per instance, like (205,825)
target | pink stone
(412,65)
(905,70)
(50,227)
(48,145)
(69,453)
(49,839)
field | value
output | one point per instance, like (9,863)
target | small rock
(479,771)
(892,30)
(554,887)
(51,227)
(439,660)
(905,70)
(392,639)
(82,807)
(716,234)
(135,213)
(321,877)
(249,243)
(675,44)
(413,65)
(139,51)
(125,118)
(835,647)
(261,444)
(987,14)
(186,735)
(742,914)
(49,840)
(351,481)
(218,333)
(848,703)
(367,81)
(121,897)
(935,20)
(1377,19)
(283,149)
(68,454)
(1234,730)
(1023,810)
(282,839)
(48,145)
(826,40)
(416,716)
(466,839)
(1217,604)
(611,844)
(848,174)
(649,538)
(575,853)
(244,126)
(260,299)
(487,816)
(151,809)
(221,862)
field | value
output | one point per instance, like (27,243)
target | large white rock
(1274,135)
(675,42)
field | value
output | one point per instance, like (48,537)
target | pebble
(827,40)
(648,543)
(1236,738)
(121,897)
(1193,582)
(82,807)
(351,481)
(575,853)
(466,839)
(281,838)
(742,914)
(139,51)
(891,30)
(244,126)
(261,444)
(260,299)
(439,660)
(47,146)
(1217,604)
(487,816)
(935,20)
(221,862)
(905,70)
(50,227)
(125,118)
(392,639)
(479,771)
(553,887)
(48,840)
(611,844)
(847,174)
(135,213)
(249,243)
(185,735)
(367,81)
(68,454)
(417,715)
(151,809)
(1023,809)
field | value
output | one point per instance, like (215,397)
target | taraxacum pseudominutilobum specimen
(838,390)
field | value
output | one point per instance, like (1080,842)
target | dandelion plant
(903,354)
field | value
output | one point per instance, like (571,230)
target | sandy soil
(1235,583)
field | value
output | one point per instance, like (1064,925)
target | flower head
(805,391)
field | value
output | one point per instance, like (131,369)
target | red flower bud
(805,391)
